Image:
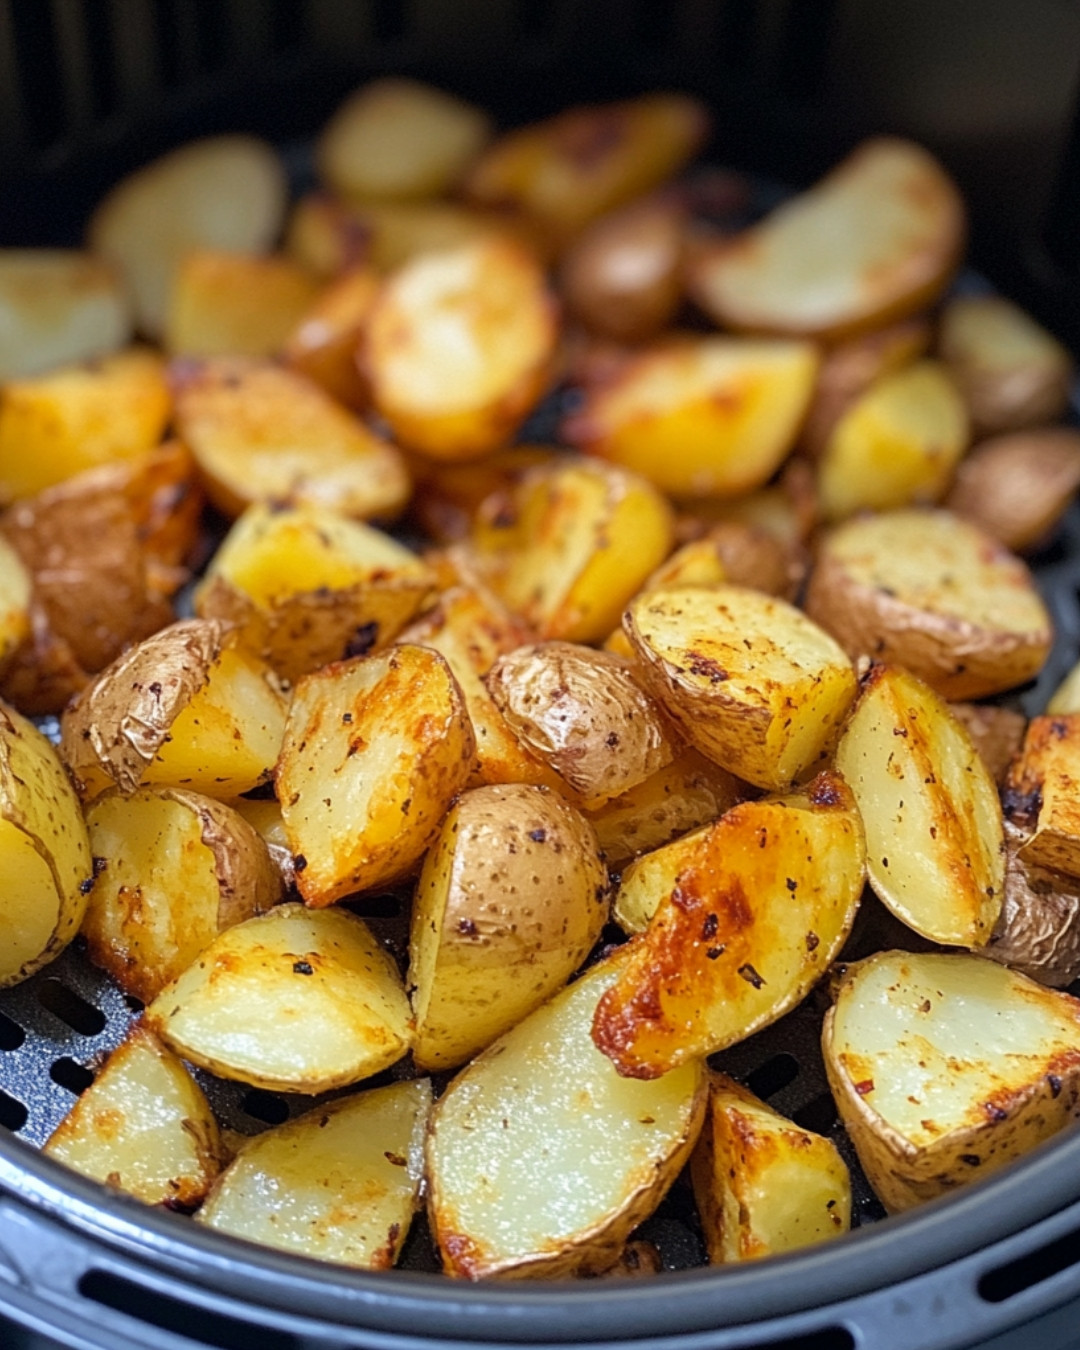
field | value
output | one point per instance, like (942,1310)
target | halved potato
(947,1067)
(374,752)
(226,304)
(512,897)
(750,680)
(935,849)
(762,1184)
(568,546)
(143,1126)
(324,344)
(57,307)
(172,869)
(398,140)
(748,920)
(1038,931)
(1011,372)
(876,240)
(895,446)
(305,586)
(996,733)
(1040,793)
(700,417)
(541,1160)
(186,708)
(56,425)
(459,347)
(225,192)
(929,591)
(291,1001)
(261,433)
(45,862)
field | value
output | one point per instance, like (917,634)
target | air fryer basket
(88,90)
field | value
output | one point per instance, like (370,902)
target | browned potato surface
(15,602)
(326,339)
(226,304)
(447,496)
(1040,795)
(1038,932)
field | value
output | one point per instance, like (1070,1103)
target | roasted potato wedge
(700,417)
(227,304)
(340,1183)
(935,847)
(512,897)
(1017,487)
(45,861)
(995,732)
(762,1184)
(226,192)
(748,920)
(929,591)
(750,681)
(1038,931)
(374,752)
(185,708)
(458,348)
(876,240)
(56,425)
(541,1160)
(323,345)
(947,1067)
(1012,373)
(291,1001)
(172,869)
(1040,794)
(305,586)
(58,307)
(895,446)
(143,1126)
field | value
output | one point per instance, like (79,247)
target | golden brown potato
(541,1160)
(58,307)
(1012,373)
(323,345)
(143,1126)
(749,918)
(700,417)
(787,510)
(374,752)
(947,1067)
(762,1184)
(750,681)
(875,240)
(447,496)
(305,586)
(186,708)
(565,172)
(57,425)
(225,192)
(458,348)
(172,869)
(934,845)
(1038,931)
(512,897)
(226,304)
(290,1001)
(1066,697)
(1017,487)
(1040,794)
(15,602)
(264,817)
(895,446)
(929,591)
(340,1183)
(996,733)
(261,433)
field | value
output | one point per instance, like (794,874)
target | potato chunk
(15,600)
(374,752)
(1038,931)
(340,1183)
(226,304)
(290,1001)
(877,239)
(512,897)
(172,869)
(1040,793)
(143,1126)
(927,590)
(762,1184)
(458,348)
(326,339)
(947,1067)
(749,679)
(701,417)
(934,842)
(749,917)
(541,1160)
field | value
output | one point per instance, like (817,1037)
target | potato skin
(1038,932)
(995,732)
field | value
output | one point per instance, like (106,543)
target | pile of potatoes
(707,668)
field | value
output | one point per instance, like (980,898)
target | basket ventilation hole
(1005,1282)
(187,1319)
(819,1114)
(70,1074)
(775,1074)
(74,1011)
(265,1106)
(135,1004)
(12,1113)
(11,1034)
(828,1338)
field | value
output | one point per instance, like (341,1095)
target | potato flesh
(541,1159)
(225,304)
(326,338)
(29,903)
(15,587)
(1040,793)
(338,1184)
(337,1011)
